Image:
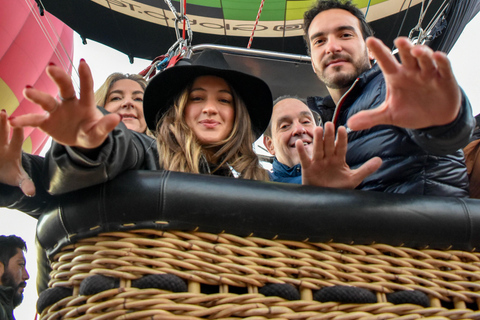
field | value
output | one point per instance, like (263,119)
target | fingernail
(82,60)
(51,64)
(28,86)
(4,111)
(11,118)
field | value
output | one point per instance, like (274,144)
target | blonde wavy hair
(102,93)
(180,150)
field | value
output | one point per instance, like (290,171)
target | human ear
(2,270)
(267,141)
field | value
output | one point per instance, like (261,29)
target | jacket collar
(368,75)
(325,105)
(283,170)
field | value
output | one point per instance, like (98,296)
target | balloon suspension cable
(433,22)
(424,33)
(178,50)
(255,25)
(49,37)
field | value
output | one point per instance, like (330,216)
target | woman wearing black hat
(186,107)
(92,148)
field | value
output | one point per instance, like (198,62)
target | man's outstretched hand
(328,167)
(421,90)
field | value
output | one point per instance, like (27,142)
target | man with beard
(412,114)
(304,154)
(13,275)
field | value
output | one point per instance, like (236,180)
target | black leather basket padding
(181,201)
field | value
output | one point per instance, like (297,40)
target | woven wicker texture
(224,274)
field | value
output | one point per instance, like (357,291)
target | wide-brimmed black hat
(165,87)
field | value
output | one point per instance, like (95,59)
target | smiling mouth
(209,123)
(129,117)
(335,62)
(305,143)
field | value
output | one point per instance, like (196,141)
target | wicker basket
(232,269)
(185,246)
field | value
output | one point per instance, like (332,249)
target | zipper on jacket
(340,103)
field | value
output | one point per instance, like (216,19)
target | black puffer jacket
(427,161)
(13,198)
(6,303)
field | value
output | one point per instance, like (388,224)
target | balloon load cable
(255,25)
(50,38)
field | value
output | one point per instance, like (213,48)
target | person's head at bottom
(13,272)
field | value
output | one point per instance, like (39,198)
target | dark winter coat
(6,303)
(424,162)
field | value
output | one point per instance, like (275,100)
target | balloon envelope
(26,48)
(146,29)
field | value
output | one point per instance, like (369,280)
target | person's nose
(127,103)
(26,276)
(333,45)
(210,107)
(298,129)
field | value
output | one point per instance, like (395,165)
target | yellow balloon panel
(8,100)
(27,145)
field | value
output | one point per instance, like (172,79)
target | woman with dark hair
(209,116)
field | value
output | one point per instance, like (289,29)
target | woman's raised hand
(69,120)
(11,170)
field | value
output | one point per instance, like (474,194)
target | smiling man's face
(338,51)
(292,120)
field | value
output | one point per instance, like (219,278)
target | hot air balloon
(147,29)
(29,43)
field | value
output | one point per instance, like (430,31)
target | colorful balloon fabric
(28,43)
(146,29)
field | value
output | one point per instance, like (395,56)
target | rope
(50,38)
(368,7)
(255,25)
(183,14)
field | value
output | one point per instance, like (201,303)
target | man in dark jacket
(411,114)
(13,275)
